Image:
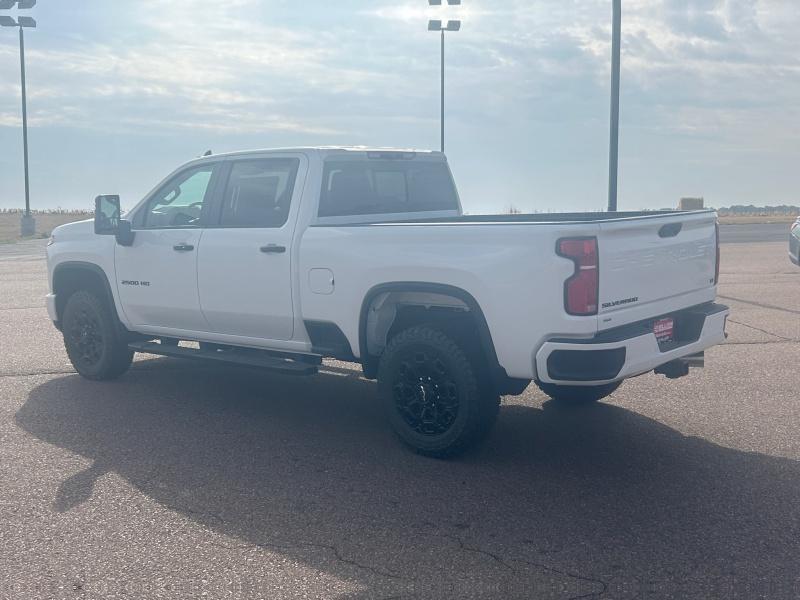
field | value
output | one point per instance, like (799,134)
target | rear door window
(376,187)
(259,193)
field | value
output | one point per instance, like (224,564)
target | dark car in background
(794,242)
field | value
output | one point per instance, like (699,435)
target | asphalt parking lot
(754,233)
(180,480)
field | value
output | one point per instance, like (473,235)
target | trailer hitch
(680,367)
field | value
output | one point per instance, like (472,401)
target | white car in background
(794,242)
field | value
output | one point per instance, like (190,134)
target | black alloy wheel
(425,393)
(86,336)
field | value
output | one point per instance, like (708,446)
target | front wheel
(577,394)
(92,338)
(437,403)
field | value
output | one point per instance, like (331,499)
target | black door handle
(183,248)
(273,249)
(671,230)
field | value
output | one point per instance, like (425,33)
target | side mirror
(107,220)
(106,215)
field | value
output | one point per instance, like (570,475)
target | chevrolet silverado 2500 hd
(277,259)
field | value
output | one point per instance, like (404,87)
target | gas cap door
(321,281)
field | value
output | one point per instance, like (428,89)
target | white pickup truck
(277,259)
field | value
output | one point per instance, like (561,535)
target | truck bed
(651,264)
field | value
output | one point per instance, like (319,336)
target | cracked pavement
(180,480)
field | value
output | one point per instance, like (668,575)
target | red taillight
(581,290)
(716,268)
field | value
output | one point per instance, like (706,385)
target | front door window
(180,203)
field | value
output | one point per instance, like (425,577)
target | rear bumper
(629,351)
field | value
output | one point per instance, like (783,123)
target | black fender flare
(498,373)
(96,271)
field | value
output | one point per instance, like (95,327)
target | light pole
(28,223)
(438,26)
(613,154)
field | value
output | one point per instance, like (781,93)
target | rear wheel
(577,394)
(92,338)
(437,403)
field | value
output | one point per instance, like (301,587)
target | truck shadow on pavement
(562,503)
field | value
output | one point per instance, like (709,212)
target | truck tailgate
(652,266)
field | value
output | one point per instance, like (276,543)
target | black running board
(246,358)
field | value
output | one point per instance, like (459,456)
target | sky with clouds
(122,92)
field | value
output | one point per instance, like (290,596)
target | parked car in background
(794,242)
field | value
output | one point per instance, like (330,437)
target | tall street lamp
(438,26)
(613,158)
(28,224)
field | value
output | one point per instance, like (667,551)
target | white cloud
(218,61)
(207,65)
(414,13)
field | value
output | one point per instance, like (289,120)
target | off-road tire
(423,372)
(576,395)
(93,339)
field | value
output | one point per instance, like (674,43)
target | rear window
(380,186)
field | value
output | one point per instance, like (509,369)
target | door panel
(157,284)
(157,275)
(244,268)
(243,290)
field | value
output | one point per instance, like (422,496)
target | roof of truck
(325,150)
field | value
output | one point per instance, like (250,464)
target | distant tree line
(49,211)
(758,211)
